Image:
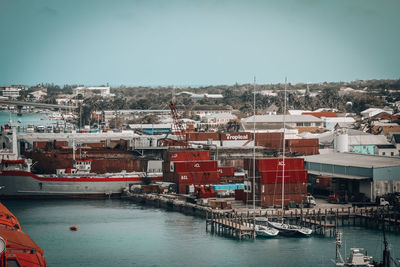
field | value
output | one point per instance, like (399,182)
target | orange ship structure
(16,247)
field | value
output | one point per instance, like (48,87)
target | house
(37,95)
(386,150)
(371,112)
(272,110)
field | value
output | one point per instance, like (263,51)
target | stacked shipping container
(269,180)
(303,146)
(190,167)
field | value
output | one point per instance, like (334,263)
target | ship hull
(29,185)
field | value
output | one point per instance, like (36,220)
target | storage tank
(342,143)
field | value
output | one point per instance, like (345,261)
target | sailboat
(285,228)
(262,228)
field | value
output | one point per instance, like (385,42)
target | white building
(218,119)
(290,120)
(9,91)
(103,91)
(331,122)
(368,113)
(388,150)
(199,96)
(37,95)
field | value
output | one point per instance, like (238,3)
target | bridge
(20,104)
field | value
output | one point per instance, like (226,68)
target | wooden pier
(235,222)
(228,224)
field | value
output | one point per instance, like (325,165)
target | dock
(230,225)
(235,222)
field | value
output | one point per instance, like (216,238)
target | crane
(180,131)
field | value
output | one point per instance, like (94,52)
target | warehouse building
(355,176)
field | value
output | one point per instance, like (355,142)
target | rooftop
(352,159)
(279,118)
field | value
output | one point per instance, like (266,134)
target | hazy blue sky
(150,42)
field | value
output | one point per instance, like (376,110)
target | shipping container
(312,142)
(226,171)
(304,150)
(202,136)
(290,188)
(274,164)
(270,140)
(194,166)
(299,176)
(187,155)
(238,136)
(199,178)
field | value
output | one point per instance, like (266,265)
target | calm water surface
(27,119)
(121,233)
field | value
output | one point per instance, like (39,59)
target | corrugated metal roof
(338,175)
(353,159)
(279,118)
(367,140)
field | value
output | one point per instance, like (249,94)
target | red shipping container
(276,200)
(290,188)
(202,136)
(305,150)
(194,166)
(274,164)
(226,171)
(238,136)
(299,176)
(200,178)
(185,155)
(302,142)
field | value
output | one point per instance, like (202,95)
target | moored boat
(76,182)
(290,229)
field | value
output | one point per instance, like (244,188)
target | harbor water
(28,119)
(117,232)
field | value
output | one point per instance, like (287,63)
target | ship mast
(254,145)
(283,150)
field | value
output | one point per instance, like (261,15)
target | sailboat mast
(283,149)
(254,146)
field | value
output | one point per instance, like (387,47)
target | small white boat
(264,231)
(356,258)
(290,229)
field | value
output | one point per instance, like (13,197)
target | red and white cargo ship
(18,181)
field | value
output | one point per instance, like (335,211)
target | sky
(197,42)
